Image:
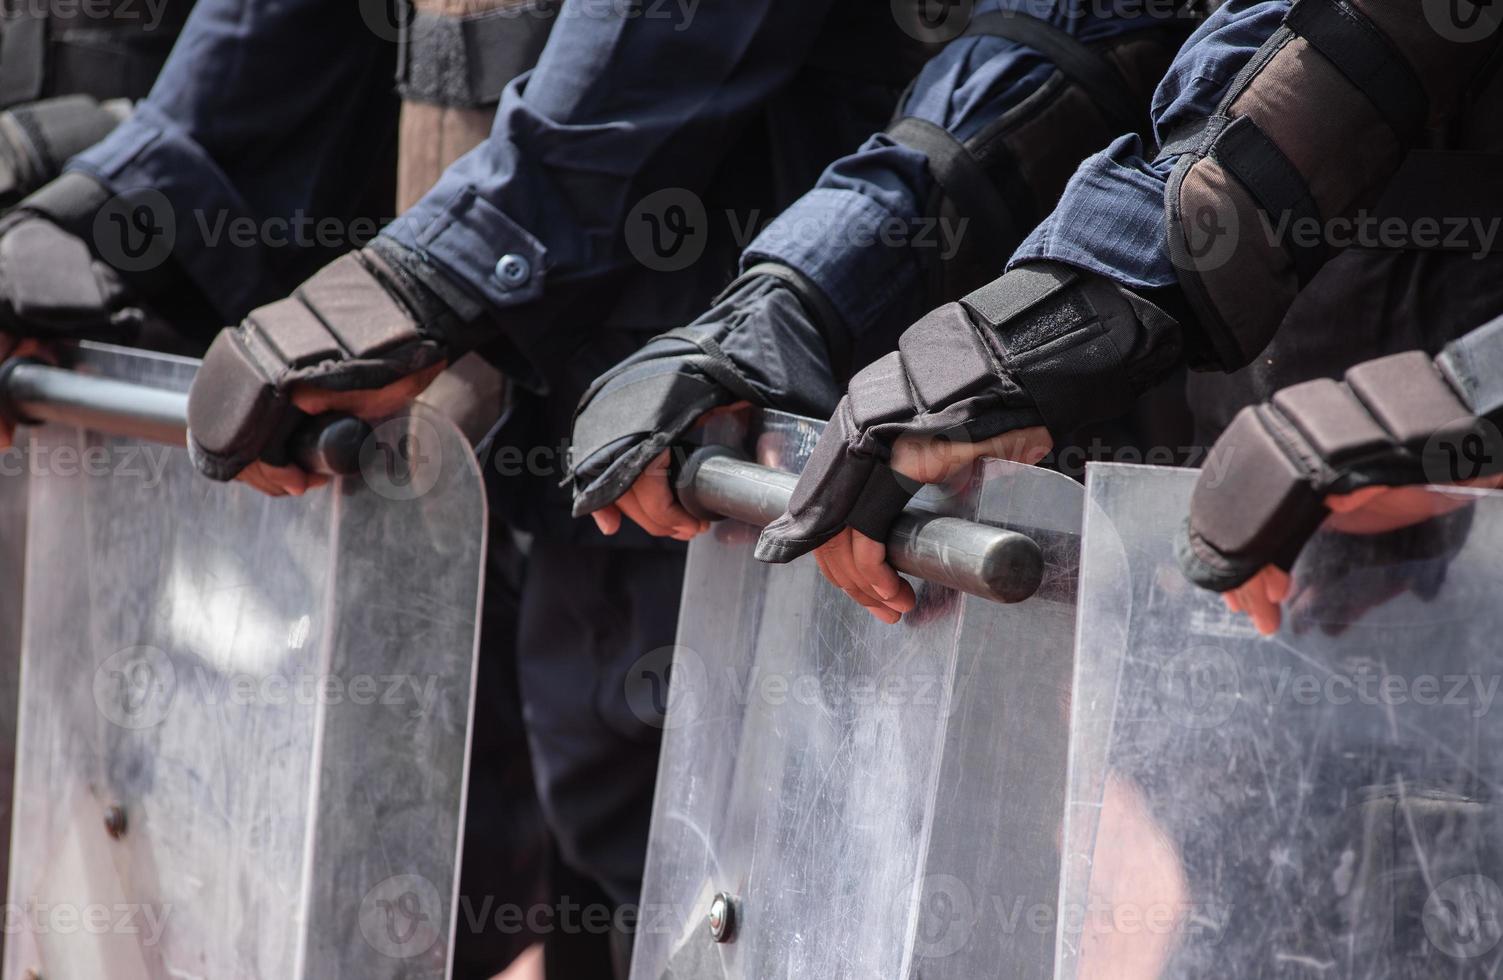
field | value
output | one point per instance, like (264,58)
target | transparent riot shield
(842,799)
(244,720)
(1323,803)
(12,582)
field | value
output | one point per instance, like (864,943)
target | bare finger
(286,480)
(1276,584)
(1265,615)
(876,576)
(256,481)
(631,507)
(608,519)
(658,502)
(835,562)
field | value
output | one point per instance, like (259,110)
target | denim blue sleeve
(621,105)
(859,232)
(1110,219)
(266,111)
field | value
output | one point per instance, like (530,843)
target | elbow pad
(1314,129)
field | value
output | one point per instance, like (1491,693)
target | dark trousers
(508,852)
(564,757)
(591,618)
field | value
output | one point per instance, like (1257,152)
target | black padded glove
(1398,420)
(52,286)
(362,322)
(761,342)
(37,138)
(1044,345)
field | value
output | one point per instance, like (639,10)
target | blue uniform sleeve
(860,233)
(1110,219)
(620,106)
(269,116)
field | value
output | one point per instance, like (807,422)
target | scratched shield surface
(1321,803)
(862,796)
(243,724)
(12,574)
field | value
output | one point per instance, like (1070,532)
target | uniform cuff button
(513,270)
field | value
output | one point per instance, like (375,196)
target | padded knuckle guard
(38,138)
(51,285)
(344,329)
(1314,130)
(1262,491)
(233,408)
(1251,491)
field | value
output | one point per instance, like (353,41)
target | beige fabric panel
(471,391)
(431,138)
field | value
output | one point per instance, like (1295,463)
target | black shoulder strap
(959,174)
(1278,189)
(1103,83)
(1346,38)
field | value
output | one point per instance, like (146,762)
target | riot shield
(842,799)
(244,721)
(1321,803)
(12,581)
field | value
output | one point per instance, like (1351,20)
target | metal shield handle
(984,561)
(329,444)
(326,444)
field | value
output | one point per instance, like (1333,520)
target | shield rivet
(722,918)
(114,821)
